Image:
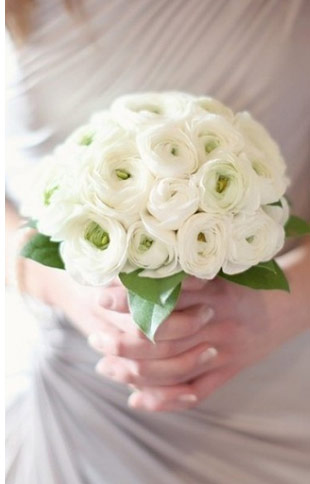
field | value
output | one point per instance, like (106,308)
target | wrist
(26,276)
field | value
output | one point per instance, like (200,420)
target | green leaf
(296,226)
(267,275)
(149,316)
(41,249)
(156,291)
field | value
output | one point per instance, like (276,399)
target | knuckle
(118,346)
(138,368)
(121,299)
(127,377)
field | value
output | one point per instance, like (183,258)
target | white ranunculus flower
(173,200)
(81,138)
(212,133)
(155,253)
(272,184)
(93,136)
(279,212)
(202,244)
(227,183)
(207,104)
(168,150)
(253,238)
(136,111)
(256,135)
(265,156)
(52,198)
(116,182)
(95,248)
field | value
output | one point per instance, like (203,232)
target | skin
(217,330)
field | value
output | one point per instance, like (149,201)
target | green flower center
(221,183)
(174,151)
(47,195)
(86,140)
(149,108)
(201,237)
(145,243)
(250,239)
(211,145)
(97,236)
(122,174)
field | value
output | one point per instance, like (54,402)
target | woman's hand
(103,313)
(191,358)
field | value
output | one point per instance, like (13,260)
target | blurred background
(21,335)
(21,330)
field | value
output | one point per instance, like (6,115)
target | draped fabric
(72,426)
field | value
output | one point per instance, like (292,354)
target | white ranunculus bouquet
(158,187)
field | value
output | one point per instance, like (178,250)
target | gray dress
(71,426)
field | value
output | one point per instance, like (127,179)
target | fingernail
(99,340)
(133,399)
(103,369)
(207,314)
(207,355)
(187,398)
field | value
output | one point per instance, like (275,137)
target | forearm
(31,277)
(12,223)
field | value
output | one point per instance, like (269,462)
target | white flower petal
(156,254)
(137,111)
(84,258)
(173,200)
(116,182)
(202,244)
(253,238)
(212,133)
(168,150)
(227,183)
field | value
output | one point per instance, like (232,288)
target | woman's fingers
(121,321)
(180,324)
(193,298)
(183,396)
(109,340)
(115,298)
(126,345)
(168,371)
(194,291)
